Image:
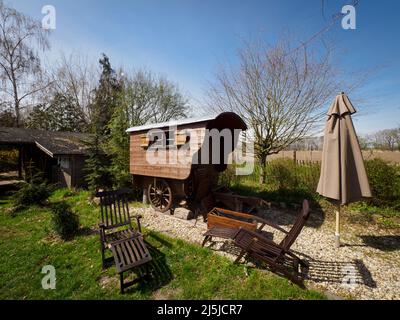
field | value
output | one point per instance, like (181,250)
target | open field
(316,156)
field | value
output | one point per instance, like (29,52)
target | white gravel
(355,270)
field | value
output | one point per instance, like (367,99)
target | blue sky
(187,40)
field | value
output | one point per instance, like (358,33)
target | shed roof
(186,121)
(53,143)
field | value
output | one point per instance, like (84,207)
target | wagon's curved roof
(230,118)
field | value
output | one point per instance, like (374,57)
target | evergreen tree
(105,99)
(119,148)
(98,162)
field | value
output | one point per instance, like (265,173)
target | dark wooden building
(60,156)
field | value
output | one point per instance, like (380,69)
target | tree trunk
(16,100)
(263,163)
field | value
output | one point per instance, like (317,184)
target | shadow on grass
(291,198)
(160,239)
(160,273)
(86,231)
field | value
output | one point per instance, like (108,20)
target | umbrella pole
(337,233)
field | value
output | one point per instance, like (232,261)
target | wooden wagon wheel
(160,195)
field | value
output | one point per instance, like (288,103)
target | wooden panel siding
(174,169)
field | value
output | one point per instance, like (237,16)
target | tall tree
(103,107)
(21,39)
(105,99)
(278,91)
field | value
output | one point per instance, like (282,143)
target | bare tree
(388,139)
(152,99)
(365,142)
(75,77)
(278,91)
(21,39)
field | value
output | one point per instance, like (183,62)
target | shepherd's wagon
(169,160)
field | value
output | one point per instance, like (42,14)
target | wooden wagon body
(183,173)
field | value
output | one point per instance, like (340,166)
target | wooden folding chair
(118,235)
(277,256)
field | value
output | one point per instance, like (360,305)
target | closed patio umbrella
(343,176)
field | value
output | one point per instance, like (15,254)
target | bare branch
(278,91)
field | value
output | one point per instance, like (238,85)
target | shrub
(282,174)
(227,177)
(31,193)
(65,221)
(384,181)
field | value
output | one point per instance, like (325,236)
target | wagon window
(181,138)
(165,139)
(156,140)
(144,141)
(161,139)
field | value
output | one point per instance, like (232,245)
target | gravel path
(367,266)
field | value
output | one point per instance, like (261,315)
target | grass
(385,217)
(184,271)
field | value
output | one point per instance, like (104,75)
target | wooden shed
(190,166)
(60,156)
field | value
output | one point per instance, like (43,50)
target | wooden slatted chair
(118,235)
(278,256)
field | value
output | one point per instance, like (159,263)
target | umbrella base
(337,240)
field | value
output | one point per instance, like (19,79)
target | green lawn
(184,271)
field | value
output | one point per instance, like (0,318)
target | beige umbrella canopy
(343,176)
